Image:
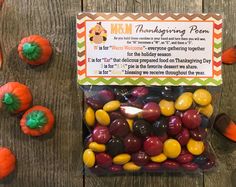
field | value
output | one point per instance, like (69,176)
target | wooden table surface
(55,160)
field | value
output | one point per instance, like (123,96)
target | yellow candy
(90,117)
(102,117)
(202,97)
(130,122)
(184,101)
(159,158)
(195,147)
(111,106)
(167,107)
(94,146)
(130,166)
(89,158)
(171,148)
(206,110)
(121,159)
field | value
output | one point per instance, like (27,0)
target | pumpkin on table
(35,50)
(37,121)
(7,162)
(15,97)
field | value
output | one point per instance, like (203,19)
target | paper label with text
(149,49)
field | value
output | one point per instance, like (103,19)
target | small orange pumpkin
(7,162)
(35,50)
(37,121)
(15,97)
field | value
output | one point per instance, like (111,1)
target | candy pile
(148,128)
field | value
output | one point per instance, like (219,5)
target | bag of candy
(146,107)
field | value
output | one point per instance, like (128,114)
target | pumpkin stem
(31,51)
(36,119)
(11,102)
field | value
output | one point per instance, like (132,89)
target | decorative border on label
(81,56)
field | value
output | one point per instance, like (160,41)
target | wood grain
(53,160)
(225,175)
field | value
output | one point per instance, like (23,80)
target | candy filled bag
(152,85)
(150,129)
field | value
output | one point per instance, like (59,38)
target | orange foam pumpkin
(37,121)
(7,162)
(35,50)
(15,97)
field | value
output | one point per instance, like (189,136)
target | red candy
(140,158)
(103,160)
(175,125)
(132,143)
(101,134)
(198,134)
(115,168)
(183,137)
(152,166)
(119,127)
(153,146)
(139,91)
(169,164)
(106,95)
(184,158)
(190,166)
(151,111)
(191,119)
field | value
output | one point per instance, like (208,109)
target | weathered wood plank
(53,160)
(225,175)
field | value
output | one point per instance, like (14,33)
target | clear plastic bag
(148,129)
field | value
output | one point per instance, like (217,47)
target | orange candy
(7,162)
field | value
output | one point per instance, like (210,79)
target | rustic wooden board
(55,160)
(225,150)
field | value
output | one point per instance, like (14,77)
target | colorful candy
(191,119)
(132,143)
(111,106)
(103,160)
(141,128)
(119,127)
(148,128)
(121,159)
(184,101)
(94,146)
(140,158)
(167,107)
(206,110)
(115,146)
(159,127)
(151,111)
(153,146)
(90,117)
(171,148)
(101,134)
(174,125)
(102,117)
(202,97)
(195,147)
(89,158)
(130,166)
(159,158)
